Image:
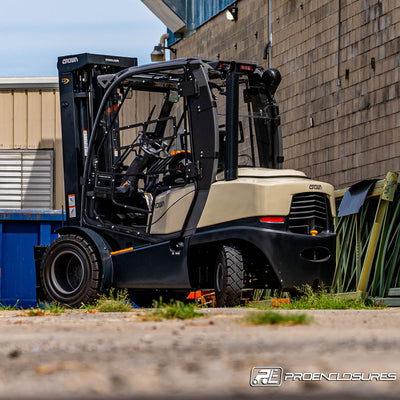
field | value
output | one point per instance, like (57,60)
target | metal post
(232,109)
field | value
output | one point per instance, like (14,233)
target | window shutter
(26,179)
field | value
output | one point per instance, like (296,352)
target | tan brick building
(340,93)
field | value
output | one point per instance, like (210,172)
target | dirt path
(117,355)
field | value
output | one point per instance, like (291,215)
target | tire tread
(93,284)
(231,294)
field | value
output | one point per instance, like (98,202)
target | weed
(115,301)
(275,318)
(34,312)
(54,308)
(45,309)
(321,299)
(172,310)
(88,307)
(4,307)
(107,305)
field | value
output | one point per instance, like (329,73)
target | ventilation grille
(309,211)
(26,179)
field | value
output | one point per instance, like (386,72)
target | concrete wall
(356,118)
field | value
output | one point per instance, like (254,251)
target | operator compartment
(141,158)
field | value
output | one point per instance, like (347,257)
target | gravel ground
(119,356)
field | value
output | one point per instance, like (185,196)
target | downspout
(163,38)
(270,34)
(338,81)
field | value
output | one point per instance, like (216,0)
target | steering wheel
(152,148)
(177,167)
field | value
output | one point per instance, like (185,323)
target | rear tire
(228,277)
(70,271)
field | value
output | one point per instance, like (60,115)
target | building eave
(24,83)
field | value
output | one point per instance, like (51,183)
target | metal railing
(368,243)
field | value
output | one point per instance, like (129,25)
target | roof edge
(23,83)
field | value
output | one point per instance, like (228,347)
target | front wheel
(70,271)
(228,276)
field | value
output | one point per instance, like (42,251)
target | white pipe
(163,38)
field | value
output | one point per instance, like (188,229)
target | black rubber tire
(228,276)
(70,271)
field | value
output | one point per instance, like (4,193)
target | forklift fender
(102,247)
(296,259)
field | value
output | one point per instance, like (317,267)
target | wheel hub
(67,272)
(219,277)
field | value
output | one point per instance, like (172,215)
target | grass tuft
(115,301)
(172,310)
(322,299)
(275,318)
(4,307)
(44,309)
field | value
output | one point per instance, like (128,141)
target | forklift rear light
(249,68)
(272,220)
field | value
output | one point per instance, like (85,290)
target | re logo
(266,376)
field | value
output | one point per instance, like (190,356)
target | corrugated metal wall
(30,120)
(26,179)
(204,10)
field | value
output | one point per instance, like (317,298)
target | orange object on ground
(196,294)
(278,302)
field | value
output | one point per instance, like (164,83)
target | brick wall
(355,122)
(219,38)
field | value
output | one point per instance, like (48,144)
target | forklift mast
(260,94)
(80,98)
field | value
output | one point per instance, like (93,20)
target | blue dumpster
(20,231)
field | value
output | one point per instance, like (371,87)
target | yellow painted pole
(373,242)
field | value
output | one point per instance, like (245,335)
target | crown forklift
(174,182)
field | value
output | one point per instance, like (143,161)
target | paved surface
(119,356)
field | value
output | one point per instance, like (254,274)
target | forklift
(174,182)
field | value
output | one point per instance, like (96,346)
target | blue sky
(33,33)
